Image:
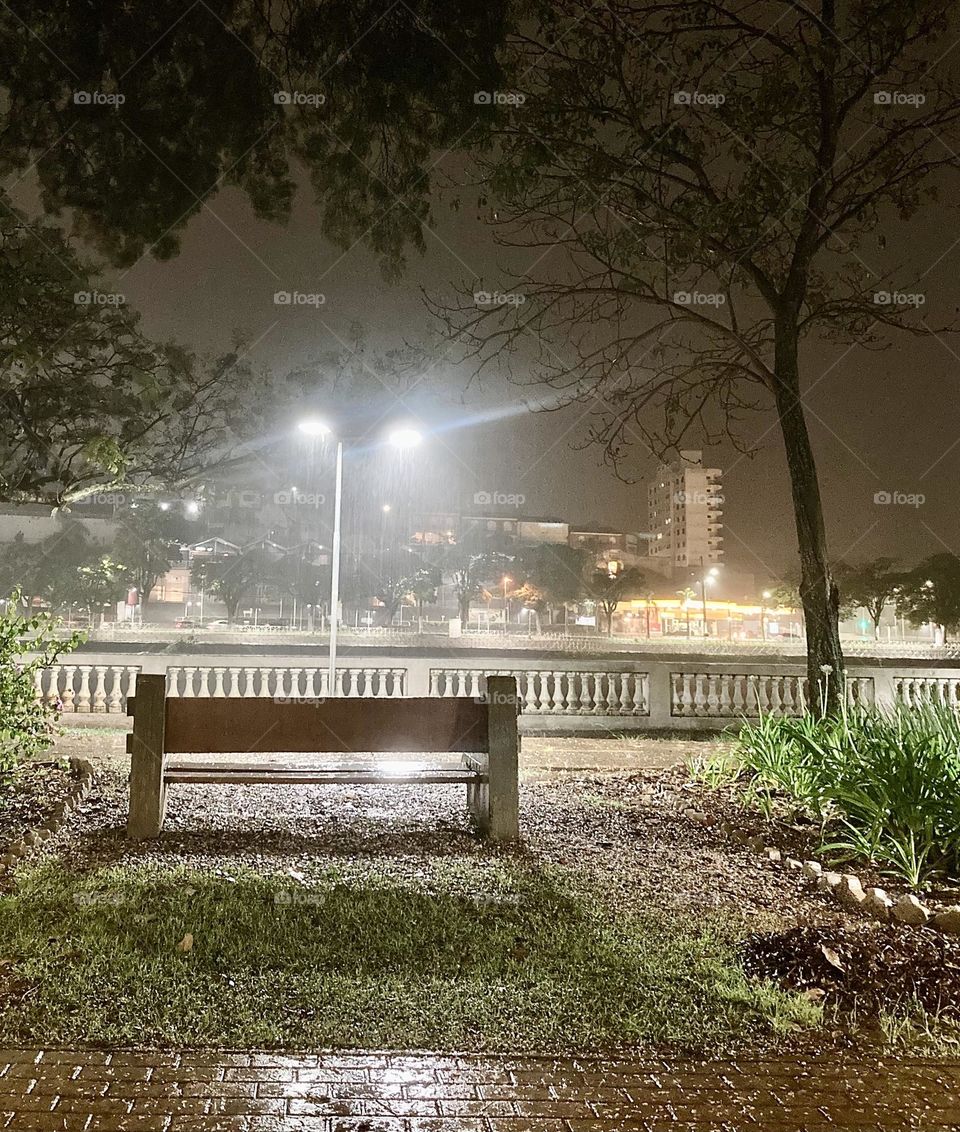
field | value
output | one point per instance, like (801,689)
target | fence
(651,694)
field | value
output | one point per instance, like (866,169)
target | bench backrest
(340,726)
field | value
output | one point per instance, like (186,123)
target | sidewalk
(251,1092)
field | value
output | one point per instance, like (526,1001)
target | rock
(8,861)
(793,863)
(31,837)
(40,834)
(697,816)
(948,920)
(850,891)
(877,904)
(909,910)
(17,848)
(812,869)
(755,843)
(827,882)
(772,854)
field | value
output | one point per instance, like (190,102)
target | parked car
(220,623)
(184,623)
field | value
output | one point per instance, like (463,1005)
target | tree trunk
(818,591)
(463,607)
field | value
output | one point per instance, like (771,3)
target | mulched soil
(626,834)
(861,967)
(29,795)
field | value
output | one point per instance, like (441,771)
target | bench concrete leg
(147,789)
(502,789)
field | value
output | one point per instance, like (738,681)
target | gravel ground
(623,831)
(29,796)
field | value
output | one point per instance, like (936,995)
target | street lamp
(506,609)
(402,438)
(766,595)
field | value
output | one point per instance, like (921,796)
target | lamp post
(765,597)
(506,608)
(706,579)
(398,438)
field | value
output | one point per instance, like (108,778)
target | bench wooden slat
(228,725)
(326,775)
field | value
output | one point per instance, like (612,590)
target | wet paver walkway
(269,1092)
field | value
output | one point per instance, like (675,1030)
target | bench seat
(183,770)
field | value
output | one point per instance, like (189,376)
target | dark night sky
(887,421)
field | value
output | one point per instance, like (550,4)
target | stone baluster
(396,687)
(699,694)
(640,702)
(67,695)
(203,676)
(788,700)
(718,694)
(341,680)
(247,675)
(526,686)
(83,695)
(38,684)
(114,702)
(264,685)
(189,691)
(99,690)
(584,705)
(218,674)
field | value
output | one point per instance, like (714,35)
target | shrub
(882,784)
(28,643)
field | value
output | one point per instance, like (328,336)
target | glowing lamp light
(404,438)
(313,426)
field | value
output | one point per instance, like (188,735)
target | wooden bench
(483,732)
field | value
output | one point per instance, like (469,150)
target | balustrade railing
(736,694)
(87,687)
(284,682)
(554,692)
(711,694)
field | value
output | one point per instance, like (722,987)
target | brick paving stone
(90,1091)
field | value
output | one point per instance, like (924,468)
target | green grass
(530,964)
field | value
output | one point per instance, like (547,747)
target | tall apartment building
(685,512)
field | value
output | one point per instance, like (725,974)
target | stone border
(847,889)
(82,770)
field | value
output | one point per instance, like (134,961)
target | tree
(608,589)
(710,180)
(470,571)
(556,572)
(175,103)
(871,586)
(149,541)
(99,584)
(233,578)
(930,594)
(88,404)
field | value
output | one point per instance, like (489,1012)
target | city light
(313,426)
(404,438)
